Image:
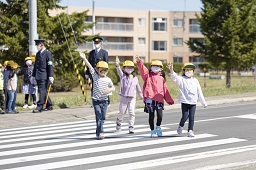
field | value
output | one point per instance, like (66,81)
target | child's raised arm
(82,55)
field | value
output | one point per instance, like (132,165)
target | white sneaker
(118,127)
(131,129)
(32,106)
(179,130)
(191,133)
(25,106)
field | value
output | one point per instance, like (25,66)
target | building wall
(121,30)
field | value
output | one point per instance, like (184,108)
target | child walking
(154,92)
(189,92)
(129,84)
(102,87)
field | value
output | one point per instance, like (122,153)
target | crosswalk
(73,145)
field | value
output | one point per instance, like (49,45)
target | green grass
(214,87)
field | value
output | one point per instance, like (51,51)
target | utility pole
(93,20)
(32,26)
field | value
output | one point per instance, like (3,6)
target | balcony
(112,26)
(109,46)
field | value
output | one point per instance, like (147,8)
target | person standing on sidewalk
(129,84)
(12,88)
(28,88)
(1,90)
(102,88)
(155,91)
(189,92)
(43,74)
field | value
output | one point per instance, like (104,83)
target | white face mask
(38,48)
(28,62)
(97,46)
(189,73)
(129,70)
(155,69)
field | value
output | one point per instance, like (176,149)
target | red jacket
(154,86)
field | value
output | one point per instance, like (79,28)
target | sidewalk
(26,118)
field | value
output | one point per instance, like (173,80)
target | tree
(229,30)
(14,33)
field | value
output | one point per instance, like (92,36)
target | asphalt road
(225,139)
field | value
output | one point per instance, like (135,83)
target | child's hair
(163,75)
(12,72)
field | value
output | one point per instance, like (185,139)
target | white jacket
(189,89)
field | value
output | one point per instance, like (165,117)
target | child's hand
(117,61)
(82,55)
(170,66)
(106,91)
(137,58)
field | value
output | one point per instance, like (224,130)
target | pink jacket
(154,86)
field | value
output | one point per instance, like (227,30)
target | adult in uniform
(96,55)
(43,74)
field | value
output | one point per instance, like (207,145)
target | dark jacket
(94,58)
(27,72)
(43,65)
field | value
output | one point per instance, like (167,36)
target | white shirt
(14,83)
(189,89)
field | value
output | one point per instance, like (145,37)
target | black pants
(6,99)
(42,89)
(33,98)
(159,113)
(188,112)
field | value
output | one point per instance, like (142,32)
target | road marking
(249,116)
(177,159)
(62,164)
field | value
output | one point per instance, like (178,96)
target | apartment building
(150,34)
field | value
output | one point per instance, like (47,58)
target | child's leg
(122,111)
(14,101)
(10,100)
(159,116)
(100,109)
(131,108)
(26,98)
(192,110)
(151,120)
(2,100)
(34,98)
(184,109)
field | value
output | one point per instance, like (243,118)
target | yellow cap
(157,63)
(5,63)
(128,63)
(14,66)
(102,64)
(10,63)
(1,65)
(28,58)
(188,65)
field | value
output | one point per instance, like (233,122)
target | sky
(169,5)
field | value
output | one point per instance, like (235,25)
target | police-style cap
(39,41)
(97,39)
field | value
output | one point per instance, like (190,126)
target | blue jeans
(11,101)
(188,112)
(100,109)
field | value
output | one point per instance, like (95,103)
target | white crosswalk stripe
(72,144)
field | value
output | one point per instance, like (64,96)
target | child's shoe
(179,130)
(32,106)
(159,131)
(153,134)
(101,136)
(131,129)
(25,106)
(191,133)
(118,126)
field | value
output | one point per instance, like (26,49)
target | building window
(159,46)
(177,41)
(142,22)
(177,23)
(159,24)
(178,59)
(194,27)
(142,41)
(143,58)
